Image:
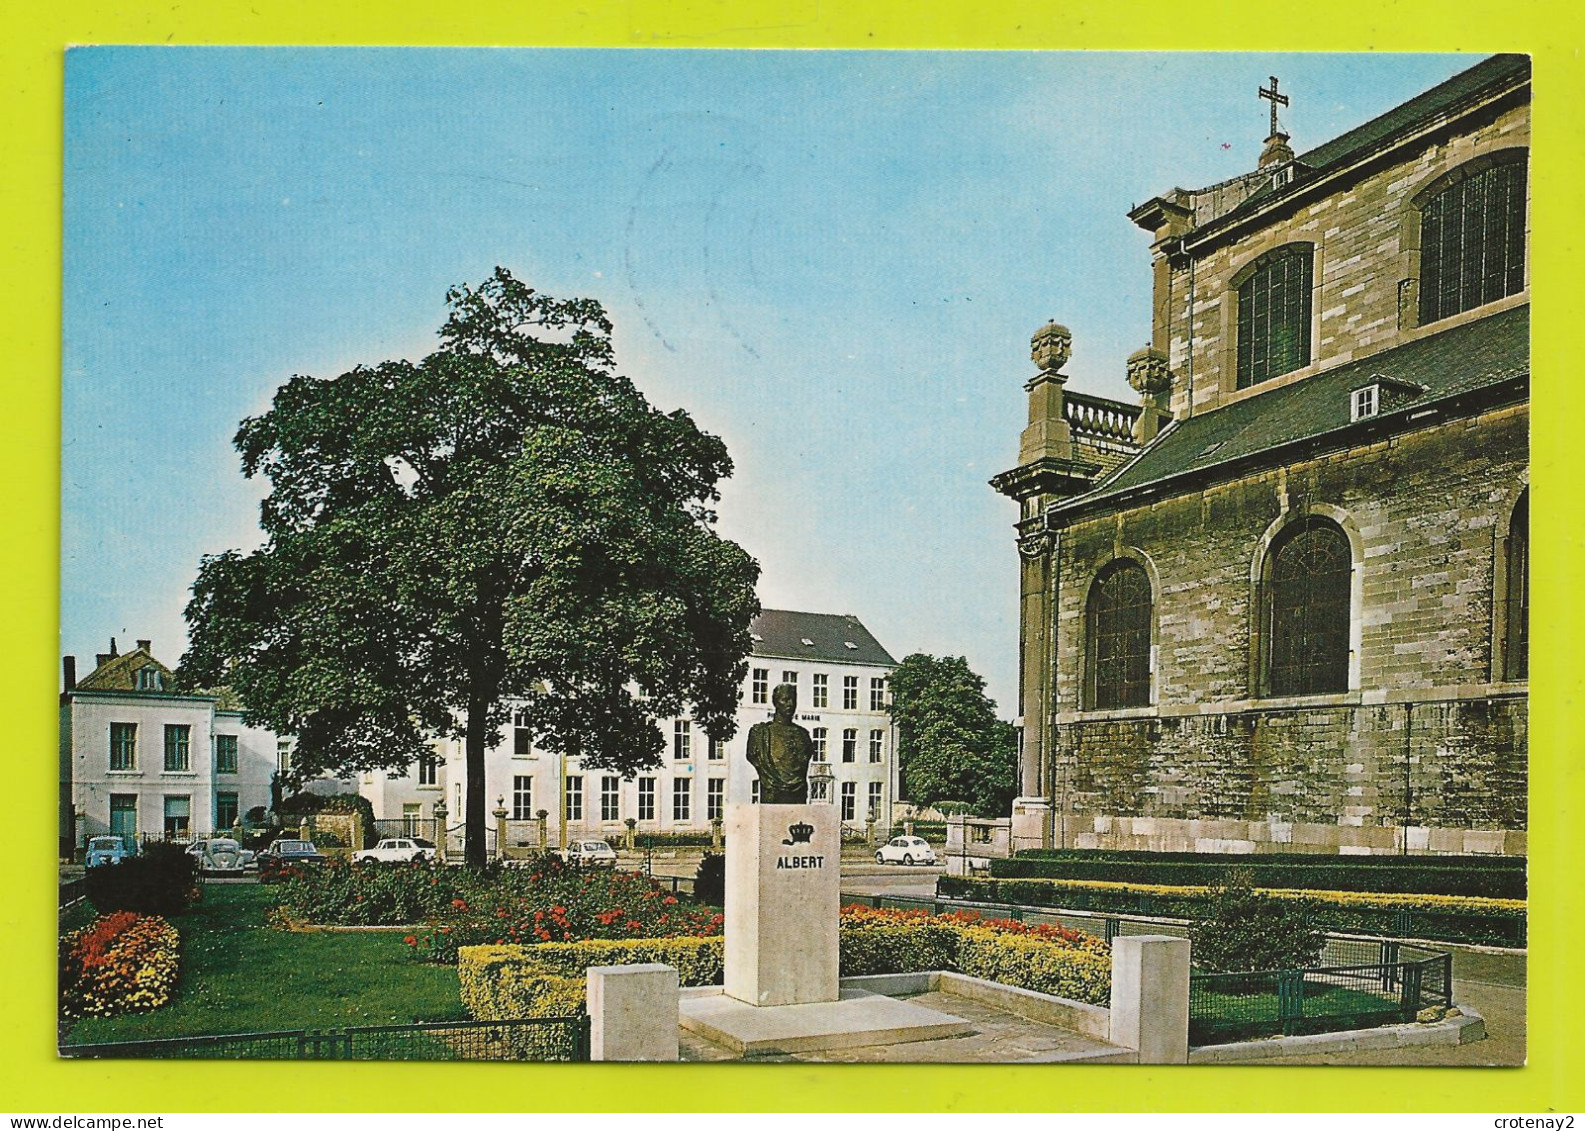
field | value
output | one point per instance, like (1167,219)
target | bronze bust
(780,752)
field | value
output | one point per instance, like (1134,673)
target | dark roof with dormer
(1483,355)
(119,673)
(831,637)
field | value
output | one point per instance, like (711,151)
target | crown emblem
(799,833)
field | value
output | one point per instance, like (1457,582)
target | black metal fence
(537,1038)
(1266,1003)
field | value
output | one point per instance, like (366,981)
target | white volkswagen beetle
(906,850)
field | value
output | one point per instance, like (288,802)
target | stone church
(1280,604)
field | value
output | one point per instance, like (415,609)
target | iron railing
(536,1038)
(1266,1003)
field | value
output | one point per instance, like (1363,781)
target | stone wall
(1426,734)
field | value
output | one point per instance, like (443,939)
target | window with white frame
(877,745)
(522,797)
(718,750)
(226,811)
(850,744)
(877,694)
(759,686)
(522,736)
(681,740)
(682,799)
(714,799)
(646,799)
(850,793)
(124,815)
(148,678)
(850,693)
(875,800)
(123,746)
(821,695)
(1365,402)
(574,794)
(428,769)
(819,737)
(178,818)
(412,814)
(178,747)
(790,677)
(610,797)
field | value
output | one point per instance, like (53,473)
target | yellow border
(30,60)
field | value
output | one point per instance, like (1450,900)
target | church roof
(1465,359)
(835,638)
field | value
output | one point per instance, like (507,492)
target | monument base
(783,896)
(856,1018)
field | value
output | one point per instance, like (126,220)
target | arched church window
(1472,239)
(1118,623)
(1516,646)
(1274,314)
(1308,609)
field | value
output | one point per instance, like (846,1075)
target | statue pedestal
(783,884)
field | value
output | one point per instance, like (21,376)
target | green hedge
(1412,916)
(1417,875)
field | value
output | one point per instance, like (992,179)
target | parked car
(106,850)
(590,853)
(905,850)
(292,852)
(221,856)
(397,850)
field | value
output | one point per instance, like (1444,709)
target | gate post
(1150,997)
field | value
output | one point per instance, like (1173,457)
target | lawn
(240,976)
(1327,1008)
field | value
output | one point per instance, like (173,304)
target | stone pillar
(500,828)
(543,839)
(869,830)
(783,882)
(715,833)
(632,1012)
(1150,374)
(440,831)
(1150,997)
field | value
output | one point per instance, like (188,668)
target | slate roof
(1464,359)
(119,674)
(781,634)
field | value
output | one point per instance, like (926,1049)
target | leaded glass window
(1274,315)
(1516,650)
(1472,241)
(1119,637)
(1309,610)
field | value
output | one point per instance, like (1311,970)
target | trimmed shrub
(877,944)
(119,963)
(1387,874)
(1242,929)
(1450,917)
(161,880)
(1033,963)
(709,880)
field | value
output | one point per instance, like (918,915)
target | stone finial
(1277,151)
(1051,347)
(1149,372)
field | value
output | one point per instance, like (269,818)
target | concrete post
(1150,997)
(440,831)
(543,840)
(627,837)
(500,829)
(632,1012)
(869,830)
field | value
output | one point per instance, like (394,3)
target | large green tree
(950,744)
(507,521)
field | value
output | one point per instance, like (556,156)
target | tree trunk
(473,852)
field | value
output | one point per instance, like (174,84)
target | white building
(139,759)
(842,674)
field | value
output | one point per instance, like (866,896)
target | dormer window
(148,679)
(1366,402)
(808,643)
(850,645)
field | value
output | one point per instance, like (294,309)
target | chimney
(68,672)
(147,646)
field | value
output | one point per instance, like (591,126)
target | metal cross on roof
(1275,99)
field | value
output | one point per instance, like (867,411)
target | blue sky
(832,259)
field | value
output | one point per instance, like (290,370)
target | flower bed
(119,963)
(547,901)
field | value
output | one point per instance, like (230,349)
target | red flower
(411,940)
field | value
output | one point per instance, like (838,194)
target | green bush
(641,841)
(1417,875)
(709,880)
(879,946)
(1242,929)
(1028,962)
(161,880)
